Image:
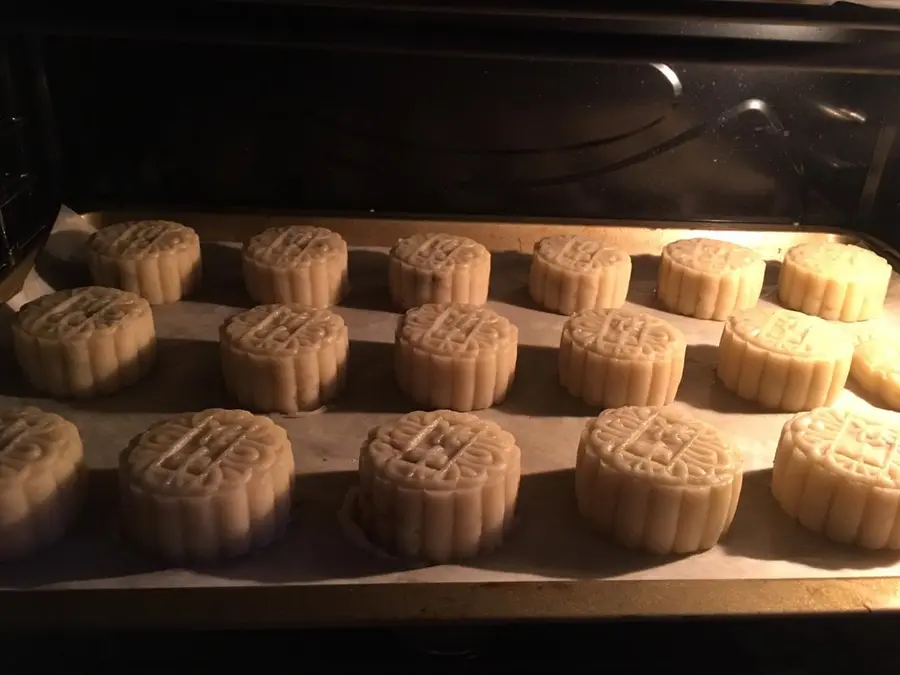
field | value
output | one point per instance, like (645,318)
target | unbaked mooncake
(876,366)
(570,272)
(439,268)
(438,486)
(620,357)
(42,480)
(838,473)
(708,278)
(284,358)
(657,479)
(201,487)
(783,360)
(84,341)
(839,282)
(296,264)
(157,259)
(456,356)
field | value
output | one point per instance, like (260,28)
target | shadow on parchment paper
(368,271)
(11,381)
(642,287)
(519,296)
(536,390)
(223,281)
(762,531)
(93,549)
(186,376)
(509,279)
(68,272)
(770,282)
(316,547)
(550,538)
(371,386)
(701,388)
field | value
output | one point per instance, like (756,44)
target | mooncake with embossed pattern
(438,486)
(838,473)
(839,282)
(456,356)
(157,259)
(296,264)
(438,268)
(708,278)
(611,358)
(201,487)
(84,342)
(657,479)
(284,358)
(782,359)
(571,272)
(42,480)
(876,366)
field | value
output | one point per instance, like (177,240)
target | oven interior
(718,112)
(721,112)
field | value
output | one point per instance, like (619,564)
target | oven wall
(219,127)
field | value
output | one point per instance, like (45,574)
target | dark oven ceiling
(842,37)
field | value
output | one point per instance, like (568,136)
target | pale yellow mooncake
(296,264)
(456,356)
(85,342)
(284,358)
(438,268)
(657,479)
(42,480)
(782,359)
(876,366)
(438,486)
(616,357)
(201,487)
(708,278)
(839,282)
(838,473)
(570,272)
(157,259)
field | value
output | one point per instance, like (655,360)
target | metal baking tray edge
(267,607)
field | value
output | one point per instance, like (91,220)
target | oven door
(29,163)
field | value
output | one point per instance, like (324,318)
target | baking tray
(324,572)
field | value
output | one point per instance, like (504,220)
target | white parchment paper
(322,546)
